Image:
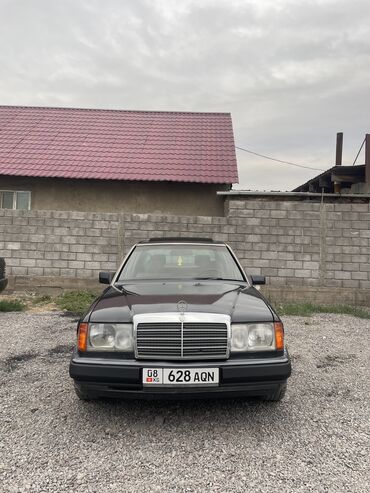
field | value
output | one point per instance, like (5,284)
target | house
(115,161)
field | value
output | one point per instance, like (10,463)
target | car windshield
(185,261)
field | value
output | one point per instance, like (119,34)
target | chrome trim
(182,364)
(182,317)
(121,267)
(238,263)
(187,317)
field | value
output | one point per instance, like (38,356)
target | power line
(278,160)
(362,145)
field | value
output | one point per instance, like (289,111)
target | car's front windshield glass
(184,261)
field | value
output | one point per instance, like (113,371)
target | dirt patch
(70,315)
(334,360)
(13,362)
(61,349)
(48,307)
(339,393)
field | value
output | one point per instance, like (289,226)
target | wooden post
(339,149)
(367,159)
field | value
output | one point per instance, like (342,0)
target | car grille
(178,340)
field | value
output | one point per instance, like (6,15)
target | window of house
(13,199)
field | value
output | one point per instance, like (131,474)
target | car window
(180,262)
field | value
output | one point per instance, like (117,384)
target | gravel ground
(314,440)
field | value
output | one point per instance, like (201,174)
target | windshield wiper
(122,289)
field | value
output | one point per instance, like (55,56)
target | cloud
(292,73)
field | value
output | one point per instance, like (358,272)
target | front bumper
(123,378)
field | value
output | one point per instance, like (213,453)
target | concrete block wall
(303,242)
(56,244)
(138,227)
(321,250)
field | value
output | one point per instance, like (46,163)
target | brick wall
(321,251)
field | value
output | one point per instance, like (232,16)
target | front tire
(276,395)
(83,394)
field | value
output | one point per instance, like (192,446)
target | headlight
(111,337)
(257,337)
(239,338)
(261,335)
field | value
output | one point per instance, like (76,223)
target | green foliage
(43,299)
(11,306)
(76,302)
(309,309)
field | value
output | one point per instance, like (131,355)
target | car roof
(181,240)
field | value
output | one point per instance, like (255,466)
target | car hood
(241,302)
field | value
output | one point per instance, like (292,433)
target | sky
(292,73)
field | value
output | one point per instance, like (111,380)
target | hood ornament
(182,306)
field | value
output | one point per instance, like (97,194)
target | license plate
(180,376)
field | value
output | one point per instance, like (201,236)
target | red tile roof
(117,145)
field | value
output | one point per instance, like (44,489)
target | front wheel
(276,395)
(83,394)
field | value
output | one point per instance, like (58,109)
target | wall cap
(249,193)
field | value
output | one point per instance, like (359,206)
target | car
(180,319)
(3,278)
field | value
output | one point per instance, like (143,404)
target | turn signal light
(279,336)
(82,336)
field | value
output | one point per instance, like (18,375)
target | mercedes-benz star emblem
(182,306)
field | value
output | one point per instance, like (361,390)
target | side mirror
(105,277)
(258,280)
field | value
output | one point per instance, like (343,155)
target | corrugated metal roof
(117,145)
